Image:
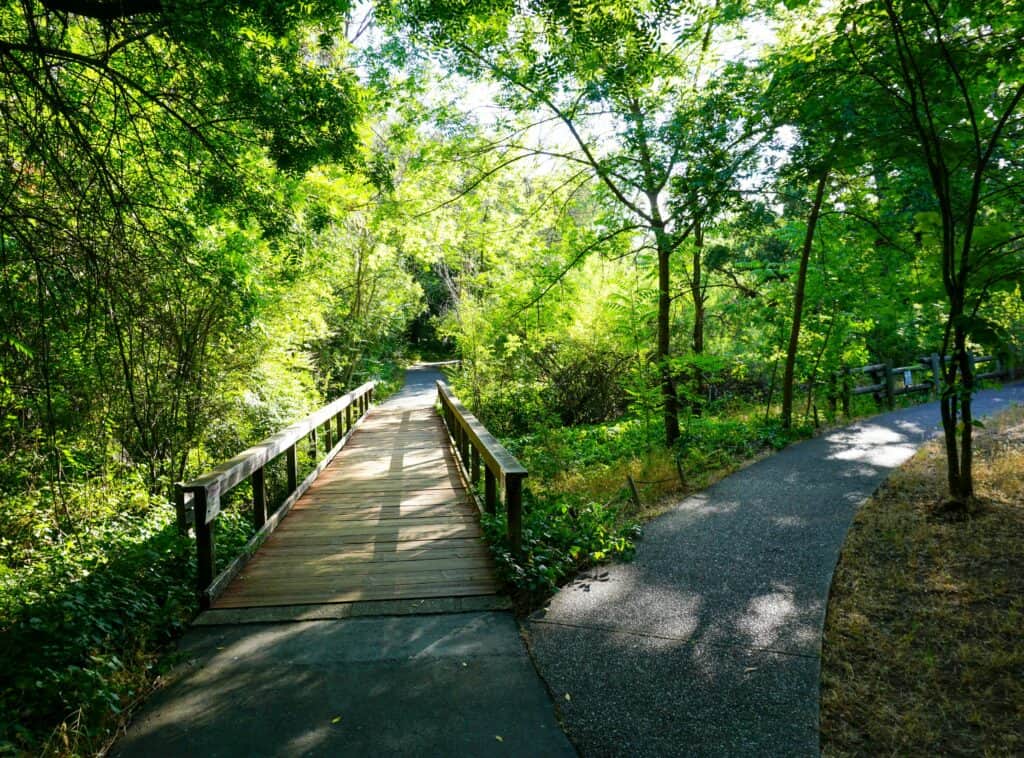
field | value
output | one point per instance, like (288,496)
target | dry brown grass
(924,639)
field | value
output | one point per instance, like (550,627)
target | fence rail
(889,382)
(473,445)
(198,502)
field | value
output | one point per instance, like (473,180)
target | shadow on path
(456,684)
(708,643)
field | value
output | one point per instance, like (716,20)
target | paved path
(708,643)
(335,679)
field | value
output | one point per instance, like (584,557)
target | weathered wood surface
(389,519)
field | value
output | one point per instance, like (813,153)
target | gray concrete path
(708,643)
(455,684)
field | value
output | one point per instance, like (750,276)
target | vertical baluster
(514,512)
(259,498)
(490,492)
(293,470)
(205,549)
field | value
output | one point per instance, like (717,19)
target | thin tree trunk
(798,302)
(697,293)
(668,388)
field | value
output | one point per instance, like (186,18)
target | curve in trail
(709,642)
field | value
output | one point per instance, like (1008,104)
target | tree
(952,73)
(630,86)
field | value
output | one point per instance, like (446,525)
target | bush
(560,536)
(84,614)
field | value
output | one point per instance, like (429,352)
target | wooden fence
(473,444)
(887,382)
(199,501)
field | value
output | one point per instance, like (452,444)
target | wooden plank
(388,519)
(369,552)
(370,533)
(365,556)
(375,526)
(458,589)
(343,581)
(357,510)
(309,572)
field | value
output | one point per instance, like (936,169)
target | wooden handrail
(199,501)
(473,444)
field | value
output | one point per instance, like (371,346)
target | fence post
(474,465)
(348,417)
(259,498)
(514,512)
(634,492)
(490,492)
(206,553)
(890,386)
(293,469)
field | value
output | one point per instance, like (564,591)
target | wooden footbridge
(387,511)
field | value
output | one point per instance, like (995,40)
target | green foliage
(565,529)
(560,536)
(84,613)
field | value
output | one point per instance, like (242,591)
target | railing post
(314,445)
(348,417)
(339,422)
(490,492)
(514,513)
(328,439)
(259,498)
(206,553)
(293,469)
(890,386)
(474,465)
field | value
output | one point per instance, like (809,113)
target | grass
(924,638)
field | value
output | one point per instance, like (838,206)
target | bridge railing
(473,446)
(198,502)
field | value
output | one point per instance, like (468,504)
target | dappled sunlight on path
(708,643)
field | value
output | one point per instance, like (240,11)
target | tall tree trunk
(668,387)
(699,384)
(798,302)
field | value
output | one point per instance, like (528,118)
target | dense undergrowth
(88,604)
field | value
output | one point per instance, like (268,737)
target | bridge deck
(389,519)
